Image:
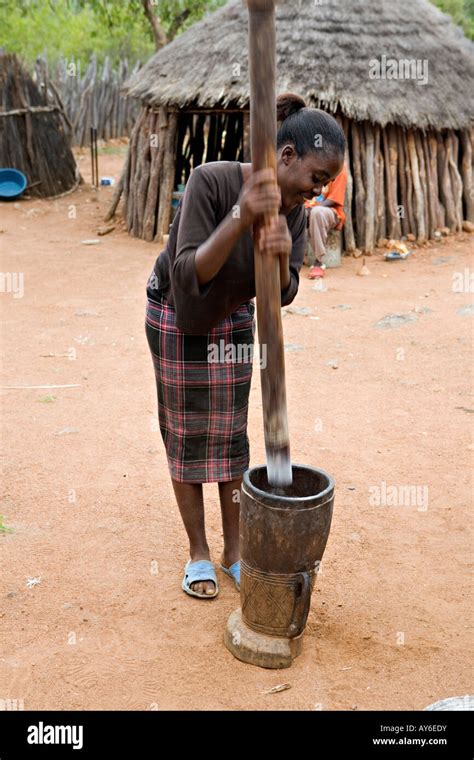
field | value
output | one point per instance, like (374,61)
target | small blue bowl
(12,183)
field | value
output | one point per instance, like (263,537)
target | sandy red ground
(88,496)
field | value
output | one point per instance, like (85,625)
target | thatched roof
(324,53)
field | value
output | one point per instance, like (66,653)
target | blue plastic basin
(12,183)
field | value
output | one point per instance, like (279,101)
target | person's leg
(230,509)
(321,220)
(310,257)
(191,506)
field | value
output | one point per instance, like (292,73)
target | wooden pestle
(263,132)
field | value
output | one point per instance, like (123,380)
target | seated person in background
(325,215)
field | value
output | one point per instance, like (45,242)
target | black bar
(348,734)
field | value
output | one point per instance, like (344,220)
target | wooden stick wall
(405,181)
(399,181)
(164,147)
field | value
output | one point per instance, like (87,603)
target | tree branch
(159,34)
(178,22)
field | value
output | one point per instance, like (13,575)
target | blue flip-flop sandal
(233,572)
(201,570)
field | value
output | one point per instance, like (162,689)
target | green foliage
(119,28)
(72,29)
(462,13)
(168,11)
(77,28)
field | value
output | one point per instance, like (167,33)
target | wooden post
(141,139)
(118,190)
(129,188)
(151,208)
(263,129)
(391,167)
(357,137)
(126,180)
(456,181)
(432,199)
(446,191)
(143,172)
(467,172)
(349,241)
(370,189)
(377,226)
(433,152)
(381,208)
(380,215)
(415,173)
(410,191)
(423,179)
(167,176)
(402,180)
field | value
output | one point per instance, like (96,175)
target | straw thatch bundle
(34,132)
(398,76)
(323,53)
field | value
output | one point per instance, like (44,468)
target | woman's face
(304,178)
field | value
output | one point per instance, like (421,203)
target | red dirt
(108,626)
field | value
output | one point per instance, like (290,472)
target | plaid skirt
(203,391)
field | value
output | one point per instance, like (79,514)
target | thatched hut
(34,132)
(398,76)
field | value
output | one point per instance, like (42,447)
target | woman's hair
(308,129)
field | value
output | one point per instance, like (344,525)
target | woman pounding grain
(199,297)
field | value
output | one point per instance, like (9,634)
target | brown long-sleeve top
(211,193)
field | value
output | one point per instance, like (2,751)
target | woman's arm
(212,255)
(259,195)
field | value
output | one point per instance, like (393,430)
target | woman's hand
(275,239)
(259,195)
